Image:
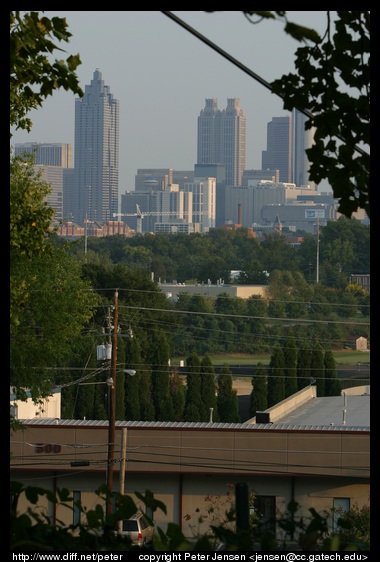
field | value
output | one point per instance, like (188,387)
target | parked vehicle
(138,529)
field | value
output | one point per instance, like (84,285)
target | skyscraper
(287,142)
(222,138)
(96,153)
(278,154)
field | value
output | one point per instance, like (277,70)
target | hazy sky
(162,75)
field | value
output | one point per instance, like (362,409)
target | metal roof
(349,412)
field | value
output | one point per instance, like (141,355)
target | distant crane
(140,215)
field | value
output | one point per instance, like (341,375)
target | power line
(244,68)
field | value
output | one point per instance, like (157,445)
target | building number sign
(47,448)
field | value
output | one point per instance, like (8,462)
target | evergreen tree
(227,401)
(193,404)
(259,393)
(178,394)
(160,378)
(317,368)
(147,411)
(276,379)
(120,381)
(303,366)
(133,397)
(333,385)
(290,361)
(208,389)
(78,399)
(101,399)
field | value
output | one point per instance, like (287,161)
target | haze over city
(162,75)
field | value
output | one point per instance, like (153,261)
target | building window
(76,507)
(265,508)
(340,506)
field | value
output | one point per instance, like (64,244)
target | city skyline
(162,75)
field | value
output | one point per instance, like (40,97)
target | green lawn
(343,357)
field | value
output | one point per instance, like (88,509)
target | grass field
(342,357)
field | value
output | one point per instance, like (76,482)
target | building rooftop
(348,411)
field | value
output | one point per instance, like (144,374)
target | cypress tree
(160,378)
(208,389)
(303,366)
(317,368)
(132,394)
(333,385)
(193,403)
(120,381)
(227,401)
(276,380)
(178,394)
(290,364)
(259,393)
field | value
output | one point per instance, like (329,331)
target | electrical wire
(244,68)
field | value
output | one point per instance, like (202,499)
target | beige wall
(184,465)
(187,497)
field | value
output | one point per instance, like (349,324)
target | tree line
(159,392)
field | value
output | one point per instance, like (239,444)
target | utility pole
(112,410)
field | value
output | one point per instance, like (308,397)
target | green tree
(193,404)
(276,378)
(227,401)
(59,306)
(317,368)
(159,358)
(178,394)
(33,76)
(289,349)
(333,385)
(208,389)
(133,395)
(303,365)
(277,253)
(30,220)
(354,528)
(258,400)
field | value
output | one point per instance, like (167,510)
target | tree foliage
(208,390)
(258,400)
(227,401)
(276,378)
(193,404)
(332,84)
(33,76)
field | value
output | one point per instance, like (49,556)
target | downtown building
(222,138)
(222,148)
(287,141)
(95,188)
(54,163)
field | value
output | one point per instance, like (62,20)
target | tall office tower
(301,140)
(96,153)
(278,154)
(222,138)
